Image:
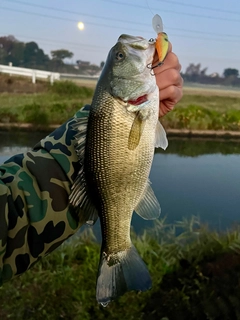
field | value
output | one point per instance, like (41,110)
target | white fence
(33,73)
(78,76)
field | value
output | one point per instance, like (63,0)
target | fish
(115,145)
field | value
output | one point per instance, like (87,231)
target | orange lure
(161,43)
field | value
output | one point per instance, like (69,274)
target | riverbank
(171,133)
(201,112)
(214,134)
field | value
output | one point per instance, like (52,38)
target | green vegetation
(205,112)
(54,106)
(195,273)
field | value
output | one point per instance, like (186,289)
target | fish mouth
(138,42)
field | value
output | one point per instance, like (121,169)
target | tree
(7,43)
(61,54)
(193,69)
(7,46)
(3,54)
(230,72)
(102,64)
(34,56)
(16,56)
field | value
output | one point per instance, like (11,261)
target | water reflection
(193,177)
(196,147)
(18,142)
(207,186)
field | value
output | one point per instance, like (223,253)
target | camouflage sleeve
(34,208)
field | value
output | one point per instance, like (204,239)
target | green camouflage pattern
(35,217)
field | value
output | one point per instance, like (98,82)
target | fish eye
(119,55)
(151,40)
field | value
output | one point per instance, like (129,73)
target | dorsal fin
(79,198)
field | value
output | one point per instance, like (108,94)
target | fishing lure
(161,43)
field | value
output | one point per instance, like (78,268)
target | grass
(54,106)
(196,112)
(194,272)
(199,109)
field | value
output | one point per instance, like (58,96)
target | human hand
(169,81)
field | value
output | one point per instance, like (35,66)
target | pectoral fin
(148,207)
(136,132)
(161,137)
(79,198)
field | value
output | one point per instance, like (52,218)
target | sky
(206,32)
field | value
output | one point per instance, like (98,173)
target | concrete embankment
(181,133)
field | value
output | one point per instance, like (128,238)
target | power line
(46,41)
(95,49)
(170,11)
(76,44)
(107,18)
(69,20)
(74,12)
(137,30)
(84,44)
(135,5)
(199,7)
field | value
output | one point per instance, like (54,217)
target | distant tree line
(194,73)
(29,55)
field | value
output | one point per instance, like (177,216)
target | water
(192,177)
(207,186)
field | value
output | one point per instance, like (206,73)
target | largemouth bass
(115,145)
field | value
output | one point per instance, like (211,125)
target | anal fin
(148,207)
(161,137)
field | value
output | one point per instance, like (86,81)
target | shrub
(70,88)
(34,113)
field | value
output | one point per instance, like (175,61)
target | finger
(171,93)
(170,62)
(169,97)
(167,78)
(169,46)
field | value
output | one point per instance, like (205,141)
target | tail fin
(121,272)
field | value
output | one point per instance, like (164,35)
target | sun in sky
(80,25)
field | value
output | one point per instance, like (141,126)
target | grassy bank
(199,109)
(194,271)
(205,112)
(54,105)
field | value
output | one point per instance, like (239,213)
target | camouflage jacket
(34,207)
